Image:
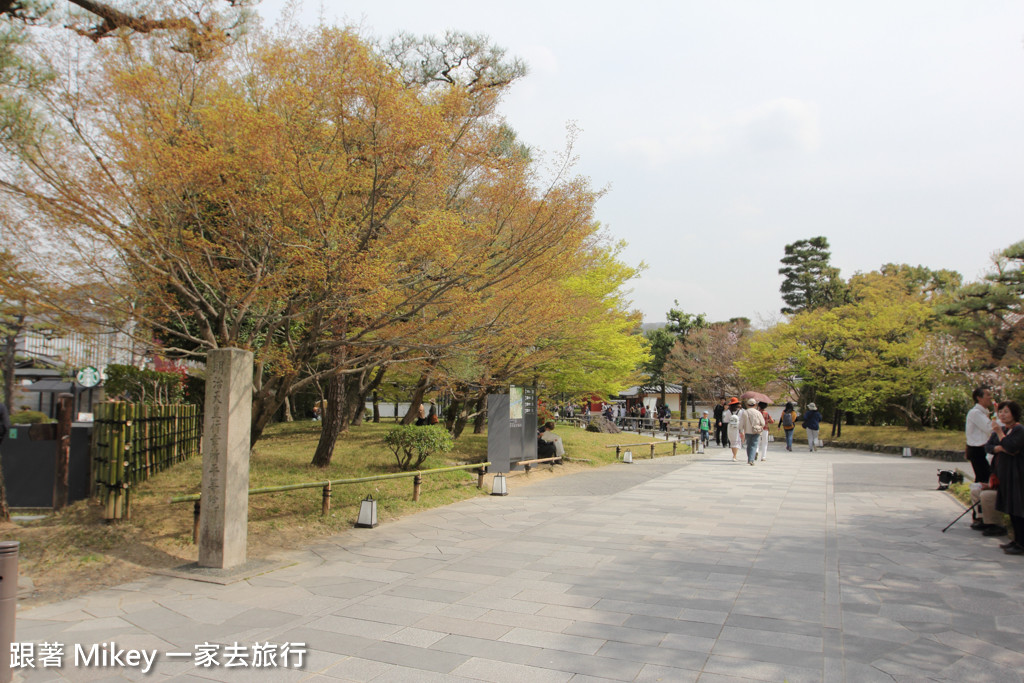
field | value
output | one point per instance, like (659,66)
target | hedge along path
(133,441)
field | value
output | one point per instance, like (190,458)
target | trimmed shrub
(29,417)
(412,445)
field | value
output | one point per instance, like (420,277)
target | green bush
(412,445)
(141,385)
(29,417)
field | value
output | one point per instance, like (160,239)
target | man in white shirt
(977,431)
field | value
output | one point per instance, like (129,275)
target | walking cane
(961,515)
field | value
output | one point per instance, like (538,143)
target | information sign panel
(511,428)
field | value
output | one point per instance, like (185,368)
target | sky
(725,129)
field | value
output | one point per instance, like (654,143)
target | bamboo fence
(132,441)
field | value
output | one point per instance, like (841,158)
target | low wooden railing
(653,444)
(326,485)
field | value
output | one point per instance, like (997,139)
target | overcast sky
(725,129)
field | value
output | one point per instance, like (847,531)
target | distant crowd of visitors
(635,416)
(748,427)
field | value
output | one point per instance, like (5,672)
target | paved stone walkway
(809,567)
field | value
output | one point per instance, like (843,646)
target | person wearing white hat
(812,421)
(751,426)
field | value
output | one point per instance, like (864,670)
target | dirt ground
(62,559)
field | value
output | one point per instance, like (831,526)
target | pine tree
(991,311)
(810,281)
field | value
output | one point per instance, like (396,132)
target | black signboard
(511,428)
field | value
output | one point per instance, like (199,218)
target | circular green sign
(88,376)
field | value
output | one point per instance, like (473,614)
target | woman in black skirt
(1009,465)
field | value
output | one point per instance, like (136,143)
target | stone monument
(224,510)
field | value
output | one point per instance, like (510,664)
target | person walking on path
(720,425)
(762,443)
(1009,459)
(732,421)
(977,432)
(751,425)
(788,423)
(704,425)
(812,421)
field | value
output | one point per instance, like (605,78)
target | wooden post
(480,478)
(60,479)
(417,482)
(674,447)
(617,453)
(526,468)
(195,523)
(326,507)
(652,449)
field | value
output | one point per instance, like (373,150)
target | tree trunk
(460,420)
(9,361)
(265,404)
(5,512)
(481,414)
(451,414)
(355,402)
(417,399)
(912,420)
(376,407)
(837,423)
(10,358)
(288,410)
(364,388)
(331,421)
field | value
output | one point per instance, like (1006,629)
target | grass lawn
(939,439)
(76,551)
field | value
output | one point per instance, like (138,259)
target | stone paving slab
(809,567)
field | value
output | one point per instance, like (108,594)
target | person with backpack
(788,424)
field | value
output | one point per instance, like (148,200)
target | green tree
(810,281)
(989,314)
(707,361)
(662,341)
(861,355)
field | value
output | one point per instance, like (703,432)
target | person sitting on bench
(991,521)
(549,444)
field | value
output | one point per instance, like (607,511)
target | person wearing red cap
(732,421)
